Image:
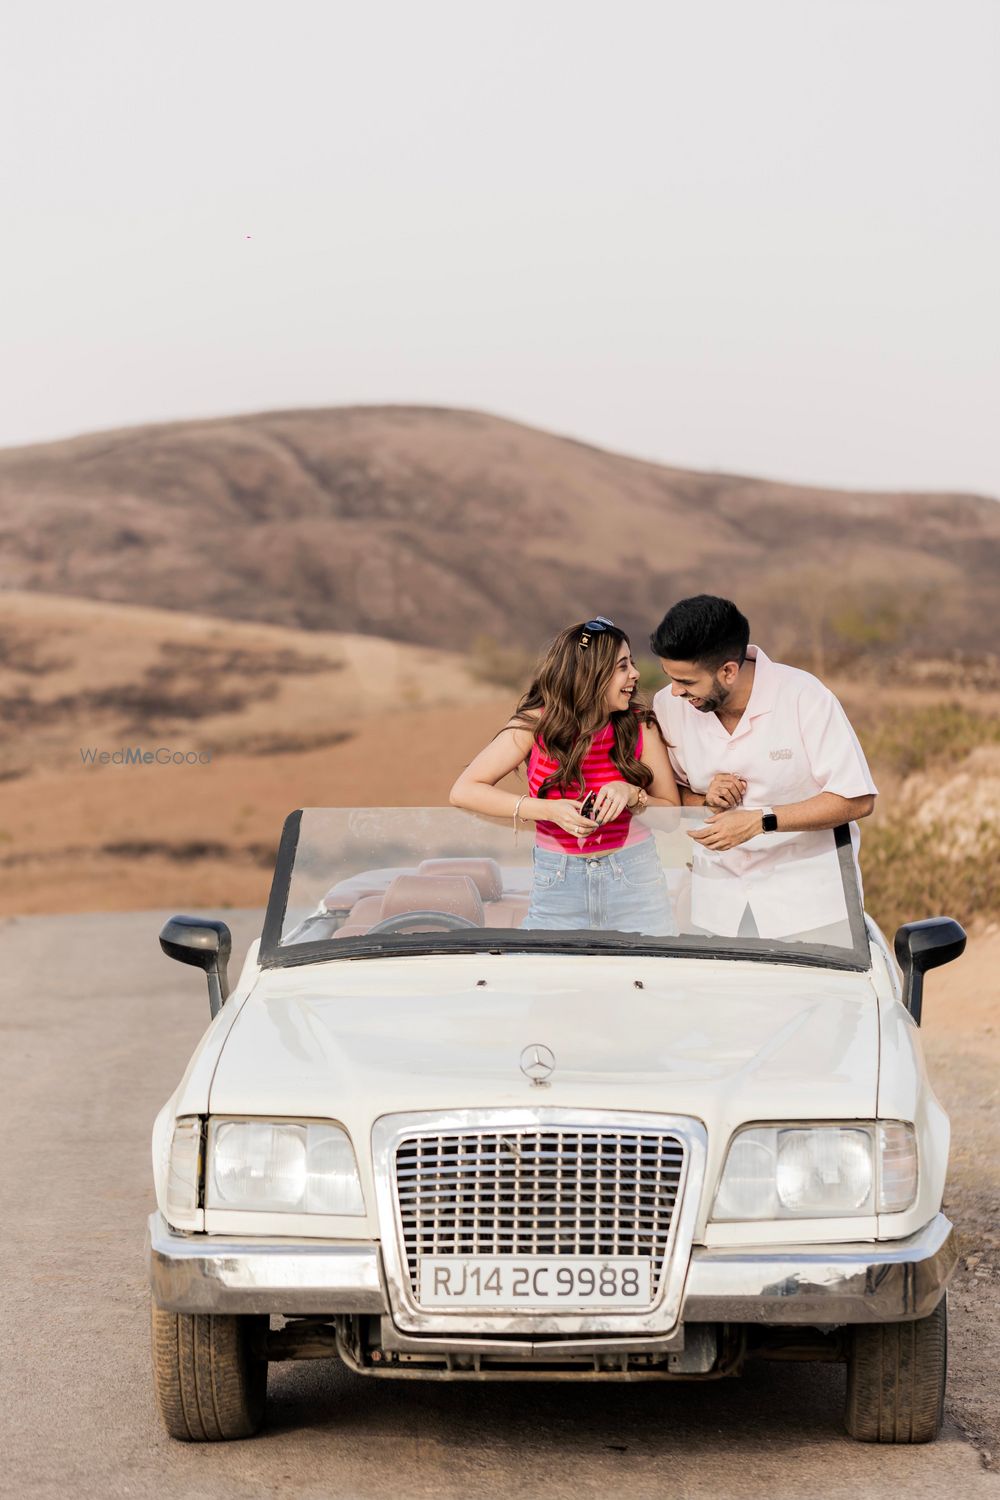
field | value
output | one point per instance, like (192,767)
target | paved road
(98,1027)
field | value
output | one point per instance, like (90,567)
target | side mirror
(920,946)
(201,941)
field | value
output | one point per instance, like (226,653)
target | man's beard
(719,697)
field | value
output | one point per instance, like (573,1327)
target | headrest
(455,894)
(342,896)
(368,910)
(484,873)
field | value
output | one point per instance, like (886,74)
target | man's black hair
(705,629)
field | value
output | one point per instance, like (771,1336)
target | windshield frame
(274,954)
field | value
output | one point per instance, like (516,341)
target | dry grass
(911,872)
(295,720)
(937,851)
(907,740)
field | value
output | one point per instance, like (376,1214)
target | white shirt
(793,742)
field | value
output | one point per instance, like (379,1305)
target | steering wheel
(406,920)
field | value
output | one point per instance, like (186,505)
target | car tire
(210,1374)
(895,1380)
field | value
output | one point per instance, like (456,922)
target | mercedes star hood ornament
(538,1063)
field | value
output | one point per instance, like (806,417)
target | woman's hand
(566,813)
(612,800)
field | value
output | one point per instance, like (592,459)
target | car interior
(471,890)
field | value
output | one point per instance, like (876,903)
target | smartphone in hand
(587,806)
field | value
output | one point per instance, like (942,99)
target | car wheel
(210,1374)
(895,1380)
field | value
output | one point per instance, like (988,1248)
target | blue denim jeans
(625,891)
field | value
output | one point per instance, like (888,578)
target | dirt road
(98,1027)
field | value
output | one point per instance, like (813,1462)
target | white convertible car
(427,1142)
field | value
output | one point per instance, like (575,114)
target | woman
(582,730)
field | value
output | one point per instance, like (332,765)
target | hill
(435,526)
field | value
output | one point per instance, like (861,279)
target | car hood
(725,1041)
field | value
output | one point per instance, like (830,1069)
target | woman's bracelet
(517,809)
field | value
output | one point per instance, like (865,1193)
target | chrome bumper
(198,1273)
(891,1281)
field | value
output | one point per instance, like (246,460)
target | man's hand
(725,791)
(725,830)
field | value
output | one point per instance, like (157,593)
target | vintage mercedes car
(424,1140)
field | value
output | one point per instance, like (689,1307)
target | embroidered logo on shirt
(781,754)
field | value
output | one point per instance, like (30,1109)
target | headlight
(281,1168)
(819,1171)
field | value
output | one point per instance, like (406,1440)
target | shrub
(912,871)
(910,739)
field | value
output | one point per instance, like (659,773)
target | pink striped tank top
(596,771)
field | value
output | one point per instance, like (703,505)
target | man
(769,750)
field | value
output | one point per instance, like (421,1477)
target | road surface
(98,1027)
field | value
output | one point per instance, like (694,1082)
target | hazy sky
(753,235)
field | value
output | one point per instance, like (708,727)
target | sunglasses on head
(595,627)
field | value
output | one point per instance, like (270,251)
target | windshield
(374,882)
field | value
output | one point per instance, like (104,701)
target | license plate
(533,1282)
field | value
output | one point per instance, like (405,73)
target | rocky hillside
(435,526)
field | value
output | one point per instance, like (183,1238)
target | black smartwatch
(768,820)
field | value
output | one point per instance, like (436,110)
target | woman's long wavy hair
(565,706)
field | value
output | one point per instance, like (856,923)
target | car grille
(531,1191)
